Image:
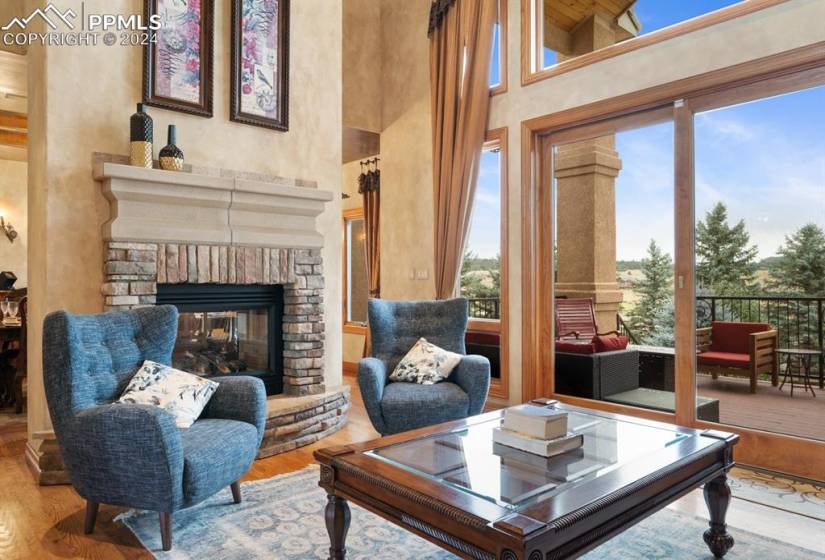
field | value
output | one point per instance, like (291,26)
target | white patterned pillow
(426,364)
(179,393)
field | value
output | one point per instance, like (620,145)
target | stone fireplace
(239,255)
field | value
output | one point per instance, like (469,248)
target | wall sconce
(8,229)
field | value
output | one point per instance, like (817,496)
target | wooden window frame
(348,326)
(500,388)
(532,45)
(785,72)
(501,87)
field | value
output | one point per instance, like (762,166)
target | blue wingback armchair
(134,455)
(395,326)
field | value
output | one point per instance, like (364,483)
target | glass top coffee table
(454,486)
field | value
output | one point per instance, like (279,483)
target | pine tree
(725,262)
(655,290)
(801,267)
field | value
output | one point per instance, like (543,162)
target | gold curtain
(461,35)
(369,185)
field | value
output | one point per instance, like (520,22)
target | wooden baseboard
(350,368)
(46,463)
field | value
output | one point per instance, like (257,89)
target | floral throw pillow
(426,364)
(179,393)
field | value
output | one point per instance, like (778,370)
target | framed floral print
(260,63)
(177,61)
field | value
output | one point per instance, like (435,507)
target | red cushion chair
(738,348)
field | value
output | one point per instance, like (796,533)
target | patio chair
(576,320)
(741,349)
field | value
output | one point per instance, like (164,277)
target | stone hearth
(297,421)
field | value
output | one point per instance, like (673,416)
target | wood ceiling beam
(13,138)
(10,119)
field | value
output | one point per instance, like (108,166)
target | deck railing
(485,308)
(799,320)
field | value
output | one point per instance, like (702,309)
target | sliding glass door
(613,315)
(760,263)
(680,266)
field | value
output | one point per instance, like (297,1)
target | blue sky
(485,235)
(765,160)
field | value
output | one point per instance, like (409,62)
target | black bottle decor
(171,157)
(140,136)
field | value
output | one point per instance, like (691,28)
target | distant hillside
(623,266)
(472,264)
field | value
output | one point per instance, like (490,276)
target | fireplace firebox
(229,330)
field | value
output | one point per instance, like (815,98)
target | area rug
(282,518)
(802,498)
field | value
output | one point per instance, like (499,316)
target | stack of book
(538,430)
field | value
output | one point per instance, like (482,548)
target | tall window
(498,60)
(565,30)
(484,269)
(356,285)
(481,268)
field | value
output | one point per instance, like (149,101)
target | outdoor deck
(769,408)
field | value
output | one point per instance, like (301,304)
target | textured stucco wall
(406,140)
(87,95)
(13,209)
(361,47)
(406,152)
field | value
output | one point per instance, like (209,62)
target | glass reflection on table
(468,460)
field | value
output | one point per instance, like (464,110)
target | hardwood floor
(47,522)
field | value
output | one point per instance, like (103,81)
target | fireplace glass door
(226,329)
(222,342)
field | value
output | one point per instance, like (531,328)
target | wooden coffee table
(451,485)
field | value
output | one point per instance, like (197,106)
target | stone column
(585,175)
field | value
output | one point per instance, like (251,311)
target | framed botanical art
(177,61)
(260,63)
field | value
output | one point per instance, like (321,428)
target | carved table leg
(337,517)
(717,498)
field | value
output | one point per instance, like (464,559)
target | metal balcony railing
(485,308)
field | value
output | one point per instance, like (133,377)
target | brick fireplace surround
(218,226)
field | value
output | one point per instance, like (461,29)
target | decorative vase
(140,136)
(171,157)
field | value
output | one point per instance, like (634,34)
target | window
(498,60)
(613,261)
(747,257)
(760,259)
(481,266)
(484,268)
(561,31)
(356,284)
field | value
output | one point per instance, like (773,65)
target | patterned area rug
(281,518)
(803,498)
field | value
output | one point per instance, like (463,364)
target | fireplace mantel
(152,205)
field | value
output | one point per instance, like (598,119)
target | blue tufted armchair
(395,326)
(134,455)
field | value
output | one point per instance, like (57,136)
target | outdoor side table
(798,367)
